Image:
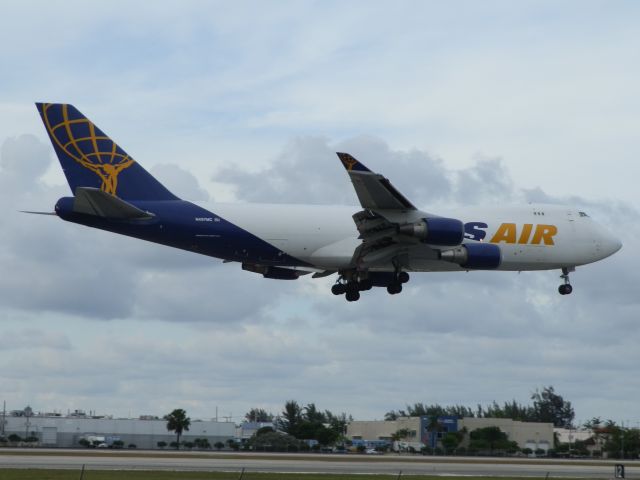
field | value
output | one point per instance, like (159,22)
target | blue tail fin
(89,158)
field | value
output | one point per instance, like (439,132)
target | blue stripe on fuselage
(183,225)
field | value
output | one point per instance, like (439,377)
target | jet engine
(474,256)
(435,231)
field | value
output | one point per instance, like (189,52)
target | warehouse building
(525,434)
(144,432)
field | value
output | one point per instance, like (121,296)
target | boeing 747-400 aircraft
(374,245)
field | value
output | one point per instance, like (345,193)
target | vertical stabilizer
(89,158)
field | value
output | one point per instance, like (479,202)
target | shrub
(202,443)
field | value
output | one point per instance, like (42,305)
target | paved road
(325,464)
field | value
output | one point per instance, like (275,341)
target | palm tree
(258,415)
(177,421)
(399,435)
(433,428)
(291,418)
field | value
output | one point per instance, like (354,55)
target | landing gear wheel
(566,288)
(365,285)
(394,288)
(403,277)
(338,289)
(352,295)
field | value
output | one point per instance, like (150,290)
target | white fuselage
(530,237)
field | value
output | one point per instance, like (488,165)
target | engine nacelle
(435,231)
(474,256)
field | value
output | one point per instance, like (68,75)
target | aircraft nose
(616,245)
(611,244)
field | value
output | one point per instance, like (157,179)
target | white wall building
(57,431)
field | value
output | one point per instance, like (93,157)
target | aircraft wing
(380,224)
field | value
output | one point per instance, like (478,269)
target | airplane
(374,245)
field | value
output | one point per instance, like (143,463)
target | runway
(387,464)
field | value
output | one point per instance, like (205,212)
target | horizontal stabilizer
(93,201)
(38,213)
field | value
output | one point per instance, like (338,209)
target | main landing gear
(565,288)
(350,284)
(351,290)
(395,286)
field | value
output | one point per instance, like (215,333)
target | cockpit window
(582,214)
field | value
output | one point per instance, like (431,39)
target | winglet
(373,190)
(351,164)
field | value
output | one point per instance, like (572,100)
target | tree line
(297,423)
(548,406)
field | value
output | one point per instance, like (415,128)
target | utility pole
(4,415)
(570,438)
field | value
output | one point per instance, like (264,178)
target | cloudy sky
(458,103)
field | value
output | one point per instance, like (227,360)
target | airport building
(525,434)
(247,429)
(67,431)
(54,430)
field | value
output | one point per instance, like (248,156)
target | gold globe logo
(97,152)
(348,161)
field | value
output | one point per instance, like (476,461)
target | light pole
(622,439)
(570,438)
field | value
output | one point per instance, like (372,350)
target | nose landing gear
(565,288)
